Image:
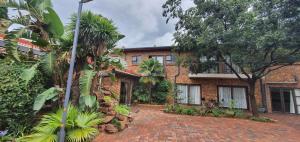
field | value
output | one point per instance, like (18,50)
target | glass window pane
(194,94)
(224,96)
(182,94)
(239,97)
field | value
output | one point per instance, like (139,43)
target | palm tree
(80,127)
(152,72)
(96,42)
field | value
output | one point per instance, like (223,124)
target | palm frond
(82,134)
(84,120)
(39,137)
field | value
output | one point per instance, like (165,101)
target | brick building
(279,91)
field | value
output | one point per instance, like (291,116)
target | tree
(96,43)
(256,36)
(152,72)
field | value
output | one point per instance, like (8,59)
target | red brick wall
(209,87)
(281,78)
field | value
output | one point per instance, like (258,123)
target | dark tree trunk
(252,98)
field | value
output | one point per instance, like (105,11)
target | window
(160,59)
(170,59)
(227,68)
(237,95)
(136,60)
(189,94)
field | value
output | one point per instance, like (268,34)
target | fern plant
(80,127)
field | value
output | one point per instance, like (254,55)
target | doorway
(123,94)
(282,100)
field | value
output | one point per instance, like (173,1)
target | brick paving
(152,125)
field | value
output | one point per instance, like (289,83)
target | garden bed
(213,112)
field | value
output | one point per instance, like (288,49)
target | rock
(104,110)
(111,108)
(130,118)
(101,128)
(110,128)
(123,124)
(111,113)
(107,119)
(121,117)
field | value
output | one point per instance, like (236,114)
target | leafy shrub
(217,112)
(229,113)
(261,119)
(116,123)
(141,94)
(122,109)
(17,98)
(161,91)
(239,113)
(80,127)
(159,95)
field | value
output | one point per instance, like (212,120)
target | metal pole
(70,76)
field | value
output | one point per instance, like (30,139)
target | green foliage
(261,119)
(249,36)
(50,94)
(141,94)
(116,123)
(39,17)
(122,109)
(80,127)
(54,23)
(107,99)
(152,71)
(3,13)
(48,62)
(29,73)
(207,111)
(161,91)
(97,38)
(217,112)
(17,97)
(85,85)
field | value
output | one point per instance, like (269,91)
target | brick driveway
(152,125)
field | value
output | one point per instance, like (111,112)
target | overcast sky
(140,21)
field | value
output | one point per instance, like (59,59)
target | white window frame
(227,104)
(188,95)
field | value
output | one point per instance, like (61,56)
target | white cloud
(140,21)
(165,40)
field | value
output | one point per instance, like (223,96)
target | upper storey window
(170,59)
(160,59)
(136,60)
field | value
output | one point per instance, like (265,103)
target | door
(276,100)
(123,94)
